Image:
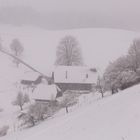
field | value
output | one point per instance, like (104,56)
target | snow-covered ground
(115,117)
(109,118)
(99,45)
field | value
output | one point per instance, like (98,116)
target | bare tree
(68,52)
(69,99)
(17,50)
(134,55)
(100,87)
(21,99)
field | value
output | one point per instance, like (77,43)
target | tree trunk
(112,90)
(102,94)
(21,107)
(67,111)
(32,120)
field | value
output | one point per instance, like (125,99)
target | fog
(68,14)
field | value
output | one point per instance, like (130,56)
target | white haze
(99,46)
(63,14)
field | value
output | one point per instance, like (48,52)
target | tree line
(122,73)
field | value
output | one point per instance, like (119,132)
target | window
(66,74)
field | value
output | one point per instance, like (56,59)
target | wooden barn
(75,77)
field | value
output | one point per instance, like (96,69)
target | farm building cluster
(63,78)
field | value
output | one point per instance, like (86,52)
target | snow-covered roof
(45,92)
(30,76)
(74,74)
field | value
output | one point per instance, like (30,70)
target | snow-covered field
(113,118)
(99,45)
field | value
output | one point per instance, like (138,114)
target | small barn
(75,77)
(31,79)
(45,93)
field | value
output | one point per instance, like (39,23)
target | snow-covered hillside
(115,117)
(98,45)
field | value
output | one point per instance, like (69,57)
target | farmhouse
(64,78)
(74,77)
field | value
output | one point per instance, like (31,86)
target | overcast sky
(78,5)
(59,14)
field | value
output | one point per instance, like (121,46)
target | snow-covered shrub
(118,73)
(128,79)
(53,107)
(4,130)
(69,99)
(21,99)
(36,112)
(26,120)
(124,72)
